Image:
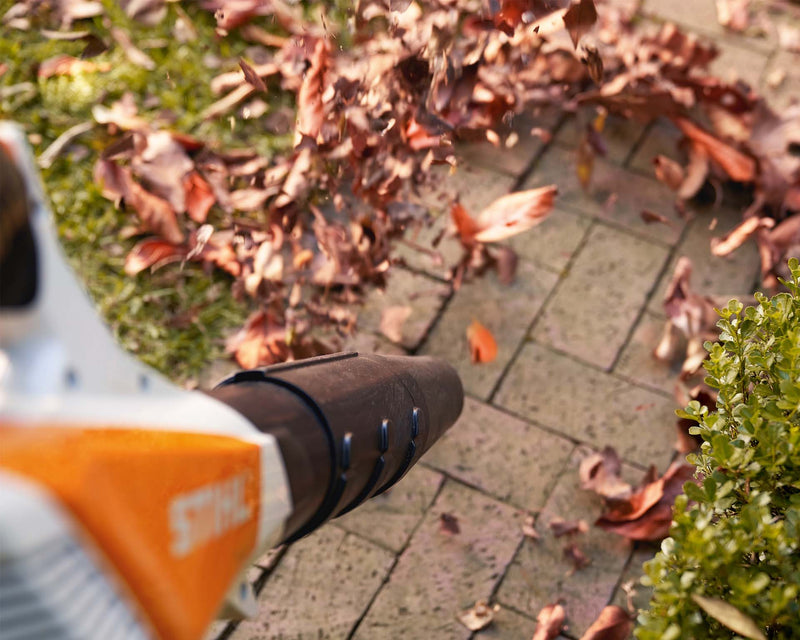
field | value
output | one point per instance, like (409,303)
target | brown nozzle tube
(349,425)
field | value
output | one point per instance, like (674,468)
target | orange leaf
(465,225)
(612,624)
(549,622)
(152,252)
(515,213)
(199,196)
(736,164)
(310,113)
(482,345)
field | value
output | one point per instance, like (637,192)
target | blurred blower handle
(349,425)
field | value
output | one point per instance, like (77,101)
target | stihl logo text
(197,516)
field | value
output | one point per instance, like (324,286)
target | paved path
(573,373)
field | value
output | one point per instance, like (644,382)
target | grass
(174,319)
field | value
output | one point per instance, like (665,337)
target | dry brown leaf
(594,63)
(252,77)
(696,172)
(579,19)
(577,557)
(668,171)
(737,237)
(649,217)
(262,341)
(561,527)
(647,514)
(310,108)
(199,196)
(466,227)
(737,165)
(448,524)
(515,213)
(152,253)
(612,624)
(529,527)
(64,65)
(392,321)
(482,345)
(479,616)
(549,622)
(733,14)
(600,472)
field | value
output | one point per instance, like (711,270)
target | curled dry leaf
(529,527)
(448,523)
(696,172)
(729,616)
(579,19)
(482,345)
(649,217)
(612,624)
(737,237)
(737,165)
(515,213)
(392,320)
(647,513)
(561,527)
(577,557)
(199,196)
(668,171)
(549,622)
(152,253)
(479,616)
(262,341)
(252,77)
(310,108)
(600,472)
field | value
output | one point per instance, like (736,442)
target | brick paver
(583,403)
(599,300)
(507,311)
(574,370)
(442,573)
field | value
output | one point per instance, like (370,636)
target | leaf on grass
(549,622)
(729,616)
(392,320)
(252,77)
(199,196)
(448,524)
(579,19)
(310,113)
(612,624)
(152,253)
(64,65)
(482,345)
(479,616)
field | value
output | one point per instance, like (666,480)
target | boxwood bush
(731,568)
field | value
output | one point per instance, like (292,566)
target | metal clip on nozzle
(349,425)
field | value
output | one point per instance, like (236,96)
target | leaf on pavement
(579,19)
(612,624)
(482,345)
(647,513)
(737,237)
(729,616)
(600,472)
(668,171)
(550,621)
(561,527)
(577,557)
(392,320)
(448,524)
(696,172)
(479,616)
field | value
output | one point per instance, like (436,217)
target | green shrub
(731,567)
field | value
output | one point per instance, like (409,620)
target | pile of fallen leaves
(304,232)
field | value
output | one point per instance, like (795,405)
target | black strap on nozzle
(349,425)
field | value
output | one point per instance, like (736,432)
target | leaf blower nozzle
(349,425)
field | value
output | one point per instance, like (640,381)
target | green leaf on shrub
(729,616)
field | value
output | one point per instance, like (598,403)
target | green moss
(176,318)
